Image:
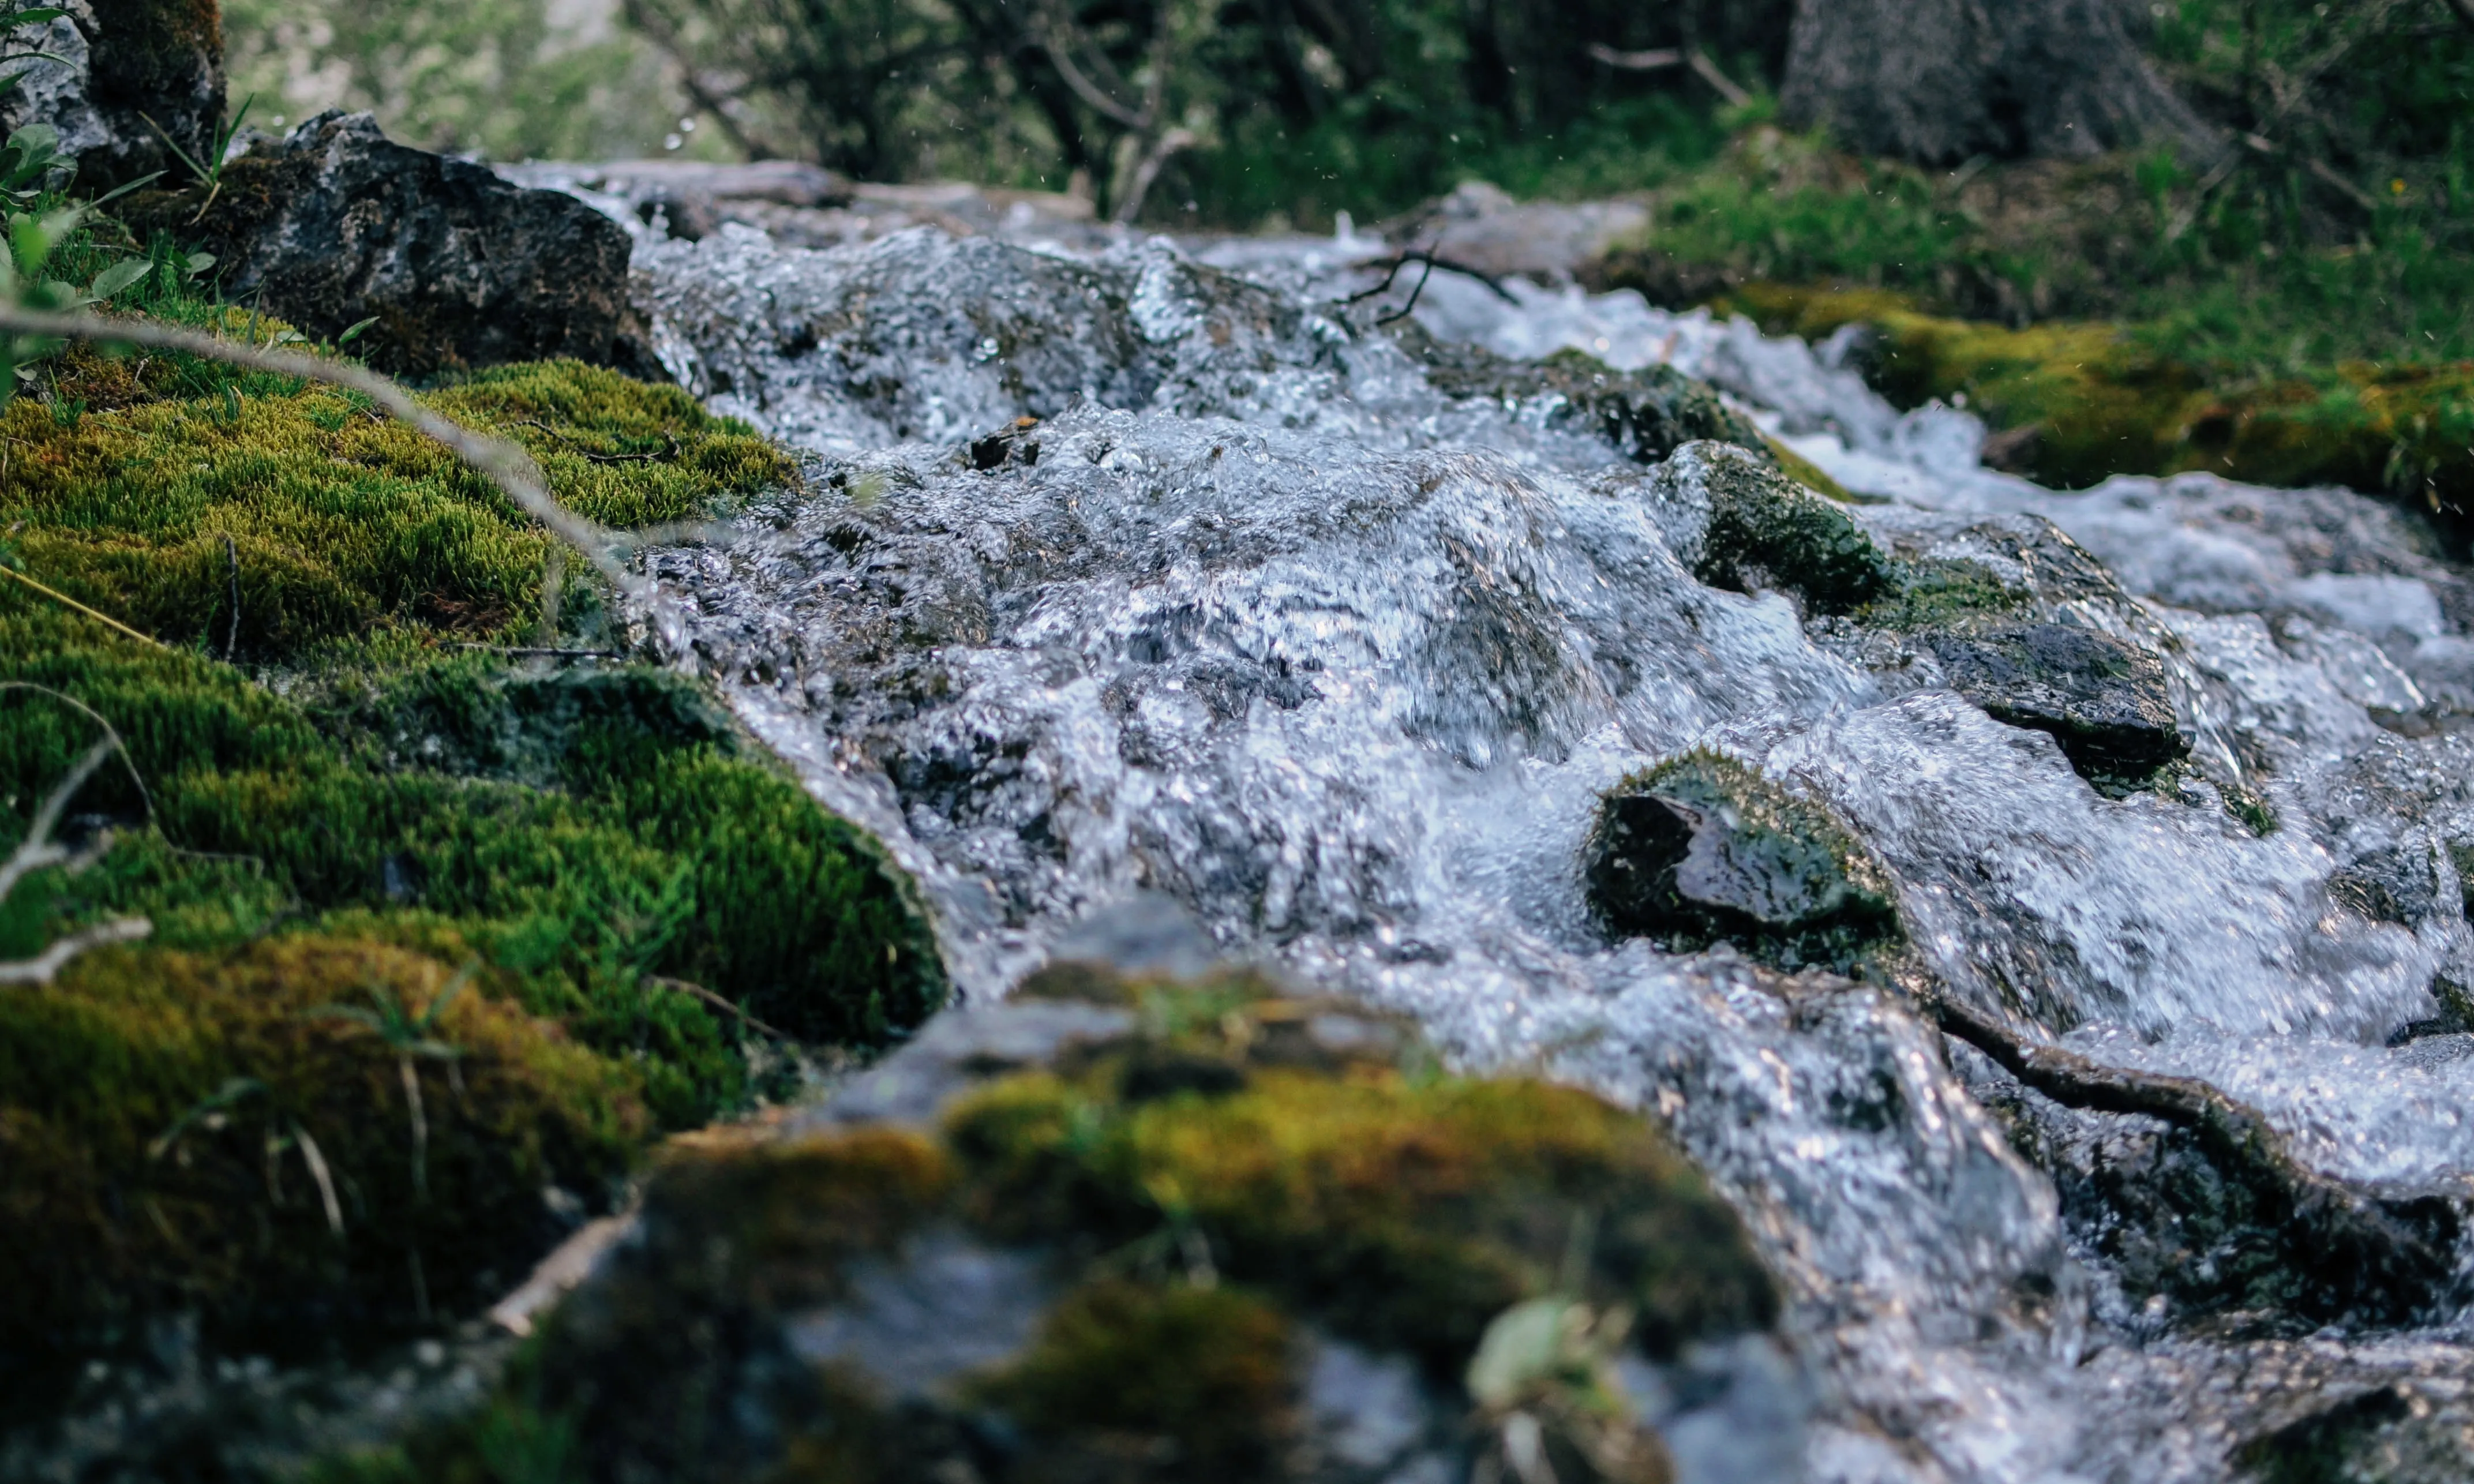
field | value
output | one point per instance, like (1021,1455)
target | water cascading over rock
(1126,575)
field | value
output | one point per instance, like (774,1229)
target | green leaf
(355,332)
(120,275)
(197,263)
(43,16)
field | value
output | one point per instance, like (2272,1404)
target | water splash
(1254,616)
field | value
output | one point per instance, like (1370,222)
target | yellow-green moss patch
(2074,401)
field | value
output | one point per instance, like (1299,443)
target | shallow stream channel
(2041,914)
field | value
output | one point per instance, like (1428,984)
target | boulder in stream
(1128,1228)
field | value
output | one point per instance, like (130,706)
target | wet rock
(336,223)
(1742,524)
(2103,699)
(113,64)
(1285,1271)
(1647,413)
(1702,849)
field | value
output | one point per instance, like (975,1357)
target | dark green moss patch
(1765,531)
(1647,413)
(1701,849)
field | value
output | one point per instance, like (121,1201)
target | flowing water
(1257,618)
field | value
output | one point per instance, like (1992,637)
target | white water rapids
(1342,663)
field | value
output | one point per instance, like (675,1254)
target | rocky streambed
(1147,573)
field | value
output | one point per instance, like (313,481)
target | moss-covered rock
(1754,529)
(384,800)
(1130,1256)
(2103,699)
(1647,413)
(1701,849)
(2073,403)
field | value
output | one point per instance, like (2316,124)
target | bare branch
(1708,71)
(38,850)
(1649,61)
(1061,53)
(1153,160)
(39,970)
(503,463)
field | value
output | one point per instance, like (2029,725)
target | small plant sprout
(410,1037)
(210,171)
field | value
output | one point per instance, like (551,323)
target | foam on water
(1267,623)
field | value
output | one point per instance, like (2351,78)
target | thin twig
(119,744)
(1642,61)
(316,1160)
(232,634)
(673,451)
(38,850)
(2352,192)
(503,463)
(39,970)
(546,652)
(1432,261)
(700,992)
(59,596)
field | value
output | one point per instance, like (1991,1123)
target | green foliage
(512,79)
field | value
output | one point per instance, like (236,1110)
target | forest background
(2326,218)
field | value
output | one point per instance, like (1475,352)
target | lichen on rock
(1745,526)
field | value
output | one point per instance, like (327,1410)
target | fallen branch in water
(502,463)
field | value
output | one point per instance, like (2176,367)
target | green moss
(1765,530)
(1207,1371)
(598,842)
(2073,403)
(158,1120)
(1401,1207)
(1647,413)
(1187,1204)
(1701,849)
(338,522)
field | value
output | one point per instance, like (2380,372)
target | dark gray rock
(335,224)
(112,65)
(2104,700)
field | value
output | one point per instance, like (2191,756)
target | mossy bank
(453,907)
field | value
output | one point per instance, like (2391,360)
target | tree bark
(1937,82)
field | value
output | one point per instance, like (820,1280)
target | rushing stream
(1256,617)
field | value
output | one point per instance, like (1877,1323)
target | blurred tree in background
(509,78)
(2318,121)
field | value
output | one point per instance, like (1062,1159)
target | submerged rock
(1702,849)
(335,224)
(1219,1234)
(2104,700)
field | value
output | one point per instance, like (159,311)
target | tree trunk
(1939,80)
